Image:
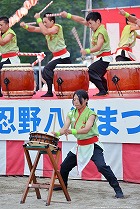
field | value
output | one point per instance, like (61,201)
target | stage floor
(91,92)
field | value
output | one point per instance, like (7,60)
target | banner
(118,118)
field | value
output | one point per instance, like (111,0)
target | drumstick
(45,7)
(31,23)
(23,11)
(54,122)
(64,121)
(47,15)
(74,31)
(53,15)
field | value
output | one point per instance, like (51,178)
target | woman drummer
(88,147)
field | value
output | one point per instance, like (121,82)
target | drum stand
(115,80)
(32,181)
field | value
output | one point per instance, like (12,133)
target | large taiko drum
(17,80)
(70,77)
(124,79)
(43,139)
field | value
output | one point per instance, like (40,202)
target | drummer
(83,122)
(127,41)
(8,44)
(100,48)
(55,40)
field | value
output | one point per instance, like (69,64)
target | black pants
(97,70)
(48,71)
(122,57)
(70,162)
(5,62)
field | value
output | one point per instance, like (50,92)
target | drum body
(43,139)
(68,78)
(124,79)
(17,81)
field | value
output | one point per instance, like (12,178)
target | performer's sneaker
(58,188)
(119,193)
(47,95)
(101,93)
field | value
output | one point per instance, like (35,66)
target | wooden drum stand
(32,181)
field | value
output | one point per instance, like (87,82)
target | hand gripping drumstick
(74,31)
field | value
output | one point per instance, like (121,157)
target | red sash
(104,54)
(10,54)
(88,141)
(59,53)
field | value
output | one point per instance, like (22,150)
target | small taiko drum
(124,79)
(17,80)
(70,77)
(43,139)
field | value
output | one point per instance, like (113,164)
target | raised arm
(75,18)
(45,30)
(131,18)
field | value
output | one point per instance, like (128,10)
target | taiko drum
(17,80)
(43,139)
(70,77)
(124,79)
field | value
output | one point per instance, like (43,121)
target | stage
(118,124)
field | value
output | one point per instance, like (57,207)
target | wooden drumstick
(31,23)
(53,15)
(47,15)
(74,31)
(45,7)
(54,122)
(64,122)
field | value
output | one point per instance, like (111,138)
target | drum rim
(123,63)
(17,65)
(44,133)
(71,65)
